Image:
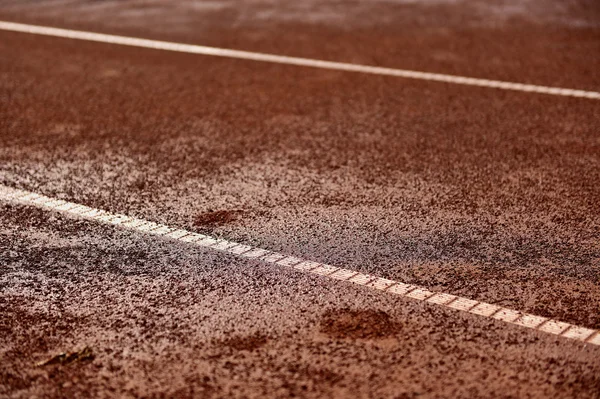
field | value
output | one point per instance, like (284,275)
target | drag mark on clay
(297,61)
(482,309)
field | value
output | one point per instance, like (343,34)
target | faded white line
(280,59)
(482,309)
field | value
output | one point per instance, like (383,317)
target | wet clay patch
(358,324)
(248,343)
(212,219)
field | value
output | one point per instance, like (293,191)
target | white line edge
(486,310)
(298,61)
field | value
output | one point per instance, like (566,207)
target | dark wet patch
(248,343)
(212,219)
(358,324)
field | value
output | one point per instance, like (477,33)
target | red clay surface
(487,194)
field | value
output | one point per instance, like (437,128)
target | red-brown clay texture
(487,194)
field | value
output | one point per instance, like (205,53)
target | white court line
(280,59)
(482,309)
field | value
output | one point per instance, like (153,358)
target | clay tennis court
(267,198)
